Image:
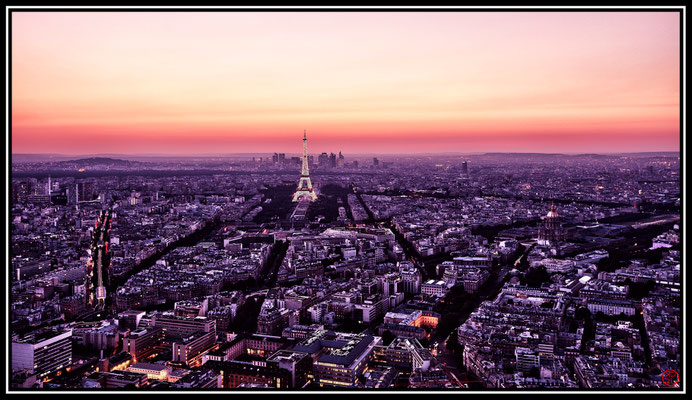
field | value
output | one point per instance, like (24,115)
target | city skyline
(298,199)
(388,83)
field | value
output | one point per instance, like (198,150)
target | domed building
(552,231)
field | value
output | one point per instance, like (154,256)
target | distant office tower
(551,231)
(375,161)
(73,194)
(282,158)
(340,161)
(304,184)
(84,191)
(275,158)
(464,168)
(43,352)
(332,160)
(22,190)
(323,160)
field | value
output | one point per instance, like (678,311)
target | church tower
(552,231)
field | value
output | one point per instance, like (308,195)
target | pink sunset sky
(232,82)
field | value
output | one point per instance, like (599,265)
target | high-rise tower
(304,190)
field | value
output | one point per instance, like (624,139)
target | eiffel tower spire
(304,189)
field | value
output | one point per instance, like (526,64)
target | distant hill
(590,155)
(523,154)
(87,158)
(98,161)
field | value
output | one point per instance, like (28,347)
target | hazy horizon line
(359,153)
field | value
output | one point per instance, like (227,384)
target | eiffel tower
(304,190)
